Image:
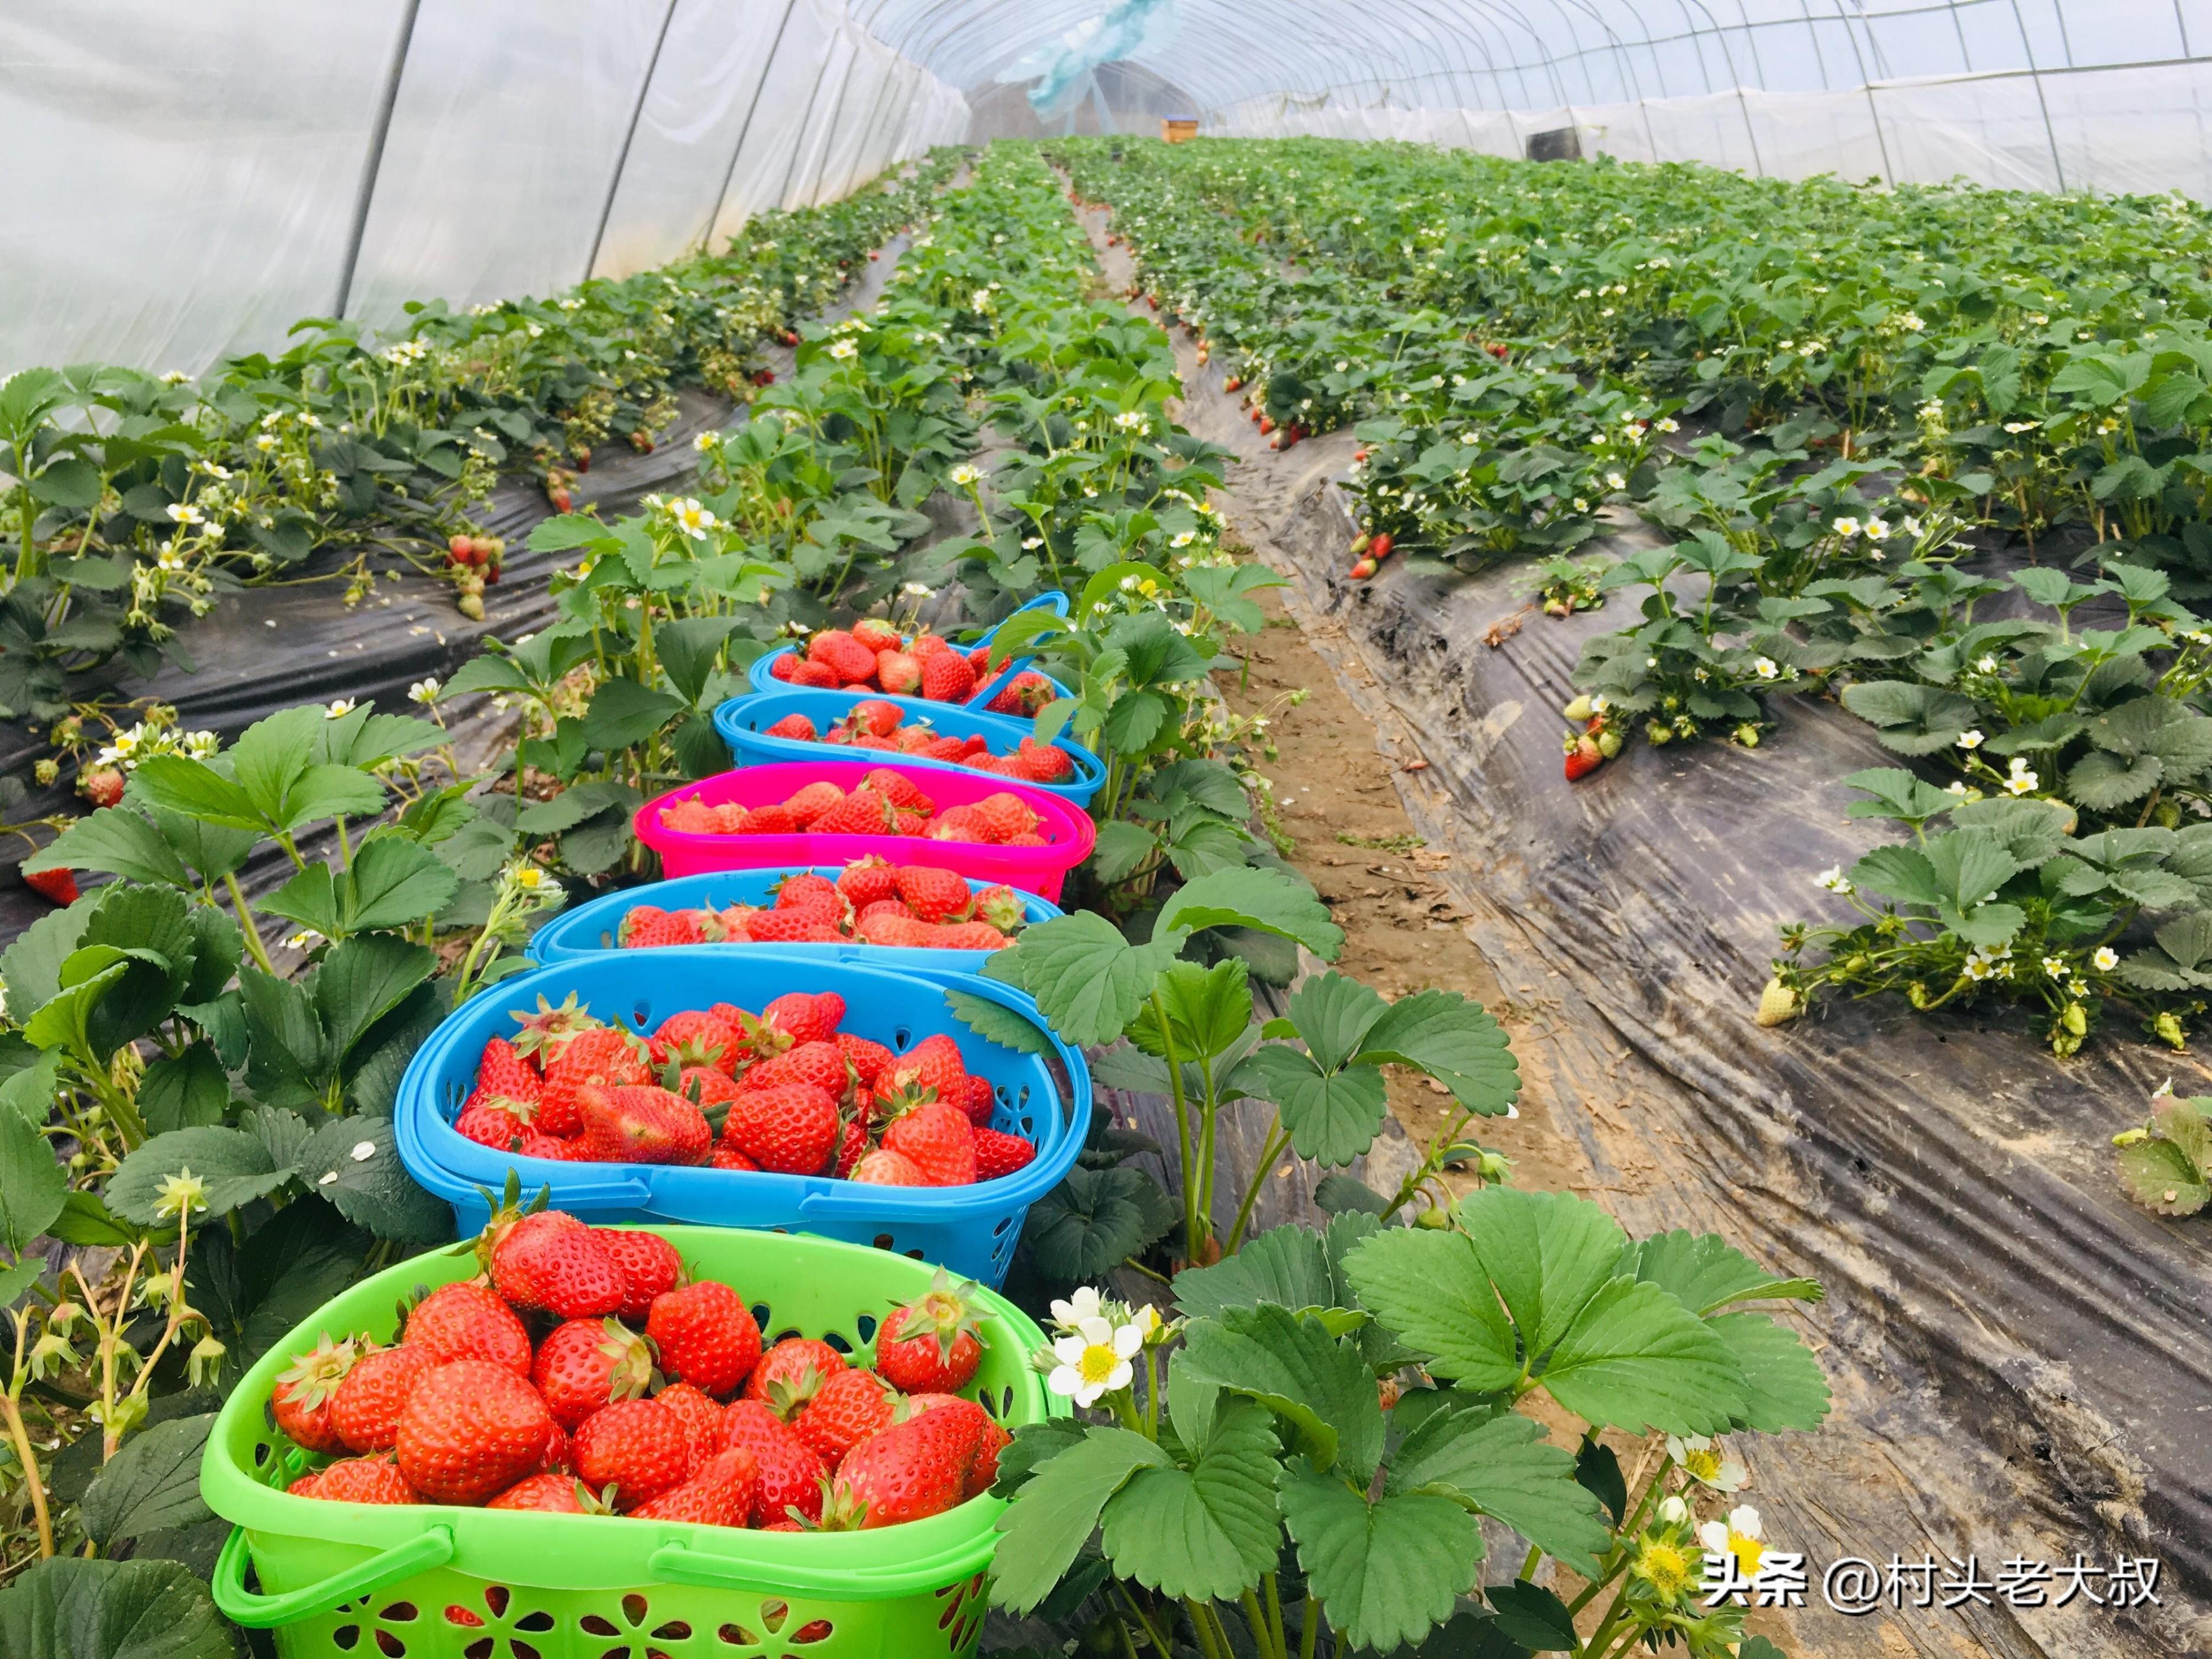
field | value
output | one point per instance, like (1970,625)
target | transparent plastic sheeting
(2098,94)
(186,181)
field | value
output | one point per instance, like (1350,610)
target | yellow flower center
(1663,1567)
(1098,1363)
(1747,1551)
(1704,1462)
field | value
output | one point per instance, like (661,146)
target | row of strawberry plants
(1962,367)
(224,1126)
(133,499)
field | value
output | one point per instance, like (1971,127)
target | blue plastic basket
(590,929)
(970,1230)
(743,723)
(1056,602)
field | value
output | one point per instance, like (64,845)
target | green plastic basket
(370,1582)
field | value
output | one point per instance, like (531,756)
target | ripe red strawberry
(674,928)
(551,1262)
(790,1473)
(640,1123)
(866,1059)
(365,1410)
(822,1064)
(990,1438)
(962,823)
(487,1123)
(805,887)
(944,749)
(780,665)
(706,1087)
(1584,757)
(305,1389)
(363,1480)
(947,677)
(815,909)
(727,1156)
(467,1321)
(819,674)
(854,1145)
(863,812)
(969,936)
(773,819)
(549,1493)
(302,1486)
(899,929)
(1024,694)
(982,1102)
(1042,762)
(925,646)
(639,1448)
(503,1069)
(794,725)
(798,926)
(877,634)
(1007,816)
(937,1139)
(909,1472)
(59,885)
(885,1168)
(998,1153)
(868,881)
(700,1415)
(691,817)
(847,1407)
(695,1038)
(705,1335)
(537,1144)
(790,1128)
(853,662)
(804,1016)
(899,673)
(602,1055)
(719,1495)
(811,802)
(586,1363)
(932,1345)
(874,716)
(797,1366)
(933,1064)
(649,1265)
(471,1429)
(899,790)
(934,895)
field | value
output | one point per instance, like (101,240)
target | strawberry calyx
(547,1031)
(314,1377)
(947,1311)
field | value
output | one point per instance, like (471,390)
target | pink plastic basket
(1068,832)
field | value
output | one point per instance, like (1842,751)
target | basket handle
(430,1548)
(685,1566)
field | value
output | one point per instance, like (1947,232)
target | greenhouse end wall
(190,181)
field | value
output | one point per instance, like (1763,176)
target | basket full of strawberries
(874,655)
(697,1083)
(799,812)
(821,724)
(568,1428)
(905,915)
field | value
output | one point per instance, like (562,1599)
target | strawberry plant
(1298,1463)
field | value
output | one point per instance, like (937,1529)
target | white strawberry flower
(1834,879)
(1970,739)
(1094,1360)
(1738,1535)
(1765,668)
(1705,1462)
(2023,781)
(2106,959)
(1846,527)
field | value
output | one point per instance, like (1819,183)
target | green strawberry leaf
(1636,1358)
(1209,1531)
(1704,1272)
(1430,1288)
(1057,1509)
(72,1608)
(1785,1385)
(1386,1572)
(1089,981)
(1505,1466)
(1291,1364)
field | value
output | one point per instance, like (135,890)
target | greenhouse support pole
(2035,78)
(1874,110)
(745,131)
(378,131)
(629,137)
(830,132)
(799,138)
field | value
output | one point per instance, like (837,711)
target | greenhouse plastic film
(182,179)
(710,66)
(786,100)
